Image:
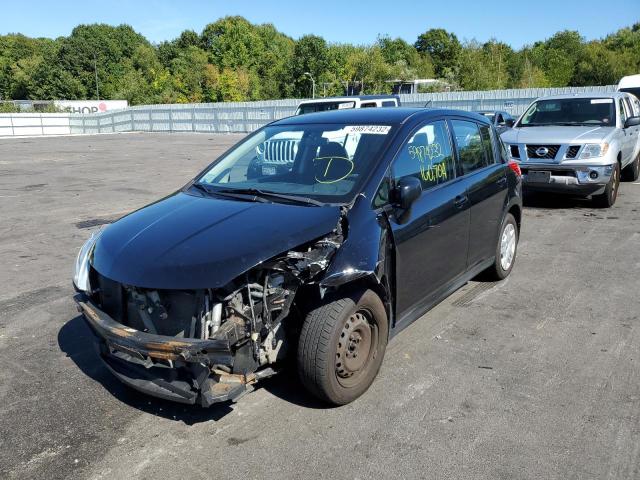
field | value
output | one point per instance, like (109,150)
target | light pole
(313,85)
(95,68)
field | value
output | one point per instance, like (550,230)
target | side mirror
(407,191)
(632,122)
(510,122)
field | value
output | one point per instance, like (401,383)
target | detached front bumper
(571,179)
(177,369)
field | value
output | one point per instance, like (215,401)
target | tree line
(235,60)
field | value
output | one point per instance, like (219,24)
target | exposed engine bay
(215,342)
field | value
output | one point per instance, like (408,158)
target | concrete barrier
(34,124)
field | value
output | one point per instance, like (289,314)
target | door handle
(460,201)
(502,182)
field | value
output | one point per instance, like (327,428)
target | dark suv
(384,213)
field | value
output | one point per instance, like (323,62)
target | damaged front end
(205,346)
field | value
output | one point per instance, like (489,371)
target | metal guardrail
(248,116)
(245,117)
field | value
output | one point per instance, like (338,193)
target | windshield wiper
(228,194)
(578,124)
(562,124)
(256,192)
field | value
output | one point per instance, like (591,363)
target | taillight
(515,166)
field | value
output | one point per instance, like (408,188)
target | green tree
(557,56)
(443,47)
(310,55)
(232,42)
(109,47)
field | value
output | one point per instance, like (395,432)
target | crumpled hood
(557,135)
(192,242)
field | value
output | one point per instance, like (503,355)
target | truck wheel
(506,250)
(608,198)
(341,346)
(631,172)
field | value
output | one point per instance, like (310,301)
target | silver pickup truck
(578,144)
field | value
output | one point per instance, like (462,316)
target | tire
(505,257)
(631,172)
(608,198)
(332,336)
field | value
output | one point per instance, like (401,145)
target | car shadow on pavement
(76,340)
(539,200)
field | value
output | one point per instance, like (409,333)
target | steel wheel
(355,348)
(507,246)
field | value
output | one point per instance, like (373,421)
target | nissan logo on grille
(542,151)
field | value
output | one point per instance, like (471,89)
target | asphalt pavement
(536,377)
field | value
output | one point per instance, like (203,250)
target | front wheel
(631,172)
(341,346)
(610,194)
(506,249)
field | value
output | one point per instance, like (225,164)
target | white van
(630,84)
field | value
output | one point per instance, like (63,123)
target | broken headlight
(81,272)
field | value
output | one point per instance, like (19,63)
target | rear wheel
(610,194)
(506,250)
(631,172)
(342,345)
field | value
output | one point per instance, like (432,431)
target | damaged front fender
(366,255)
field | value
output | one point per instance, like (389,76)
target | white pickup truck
(580,144)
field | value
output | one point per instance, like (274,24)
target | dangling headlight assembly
(81,272)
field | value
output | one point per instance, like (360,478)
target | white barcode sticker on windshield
(601,100)
(370,129)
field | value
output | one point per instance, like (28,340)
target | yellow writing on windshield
(336,169)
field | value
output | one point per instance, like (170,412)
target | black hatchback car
(382,214)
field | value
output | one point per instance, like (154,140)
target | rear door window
(472,151)
(388,103)
(623,113)
(426,155)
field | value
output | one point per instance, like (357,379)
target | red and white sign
(91,106)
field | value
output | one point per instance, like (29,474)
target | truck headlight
(260,151)
(593,150)
(81,272)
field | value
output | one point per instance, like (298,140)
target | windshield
(324,106)
(327,163)
(570,111)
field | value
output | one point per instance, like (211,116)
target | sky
(515,22)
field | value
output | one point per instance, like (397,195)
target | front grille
(550,154)
(280,151)
(572,151)
(515,151)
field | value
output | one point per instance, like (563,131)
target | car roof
(630,81)
(490,111)
(348,98)
(375,116)
(584,95)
